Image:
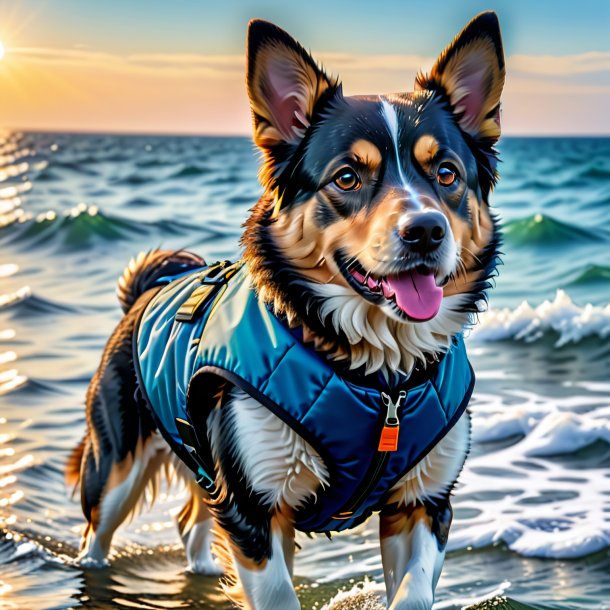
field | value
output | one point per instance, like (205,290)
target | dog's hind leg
(195,524)
(121,451)
(110,492)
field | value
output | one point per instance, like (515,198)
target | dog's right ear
(470,72)
(284,85)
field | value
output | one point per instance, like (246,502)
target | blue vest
(200,333)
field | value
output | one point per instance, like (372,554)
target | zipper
(388,442)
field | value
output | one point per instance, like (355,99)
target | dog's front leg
(267,584)
(413,540)
(255,547)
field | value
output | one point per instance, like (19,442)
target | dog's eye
(446,174)
(347,179)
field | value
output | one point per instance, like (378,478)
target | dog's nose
(425,231)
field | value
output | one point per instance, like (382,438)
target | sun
(1,50)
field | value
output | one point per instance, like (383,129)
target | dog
(368,255)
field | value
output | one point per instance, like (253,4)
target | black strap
(205,471)
(214,281)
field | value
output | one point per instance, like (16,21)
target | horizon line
(195,134)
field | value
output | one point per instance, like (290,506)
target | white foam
(366,595)
(555,427)
(570,322)
(527,495)
(561,433)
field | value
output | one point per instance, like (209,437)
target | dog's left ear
(284,85)
(470,72)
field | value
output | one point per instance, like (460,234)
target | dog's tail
(149,268)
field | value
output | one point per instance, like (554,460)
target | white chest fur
(286,470)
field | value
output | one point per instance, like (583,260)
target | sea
(532,508)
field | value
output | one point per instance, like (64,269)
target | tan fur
(135,473)
(223,550)
(73,465)
(366,153)
(402,521)
(425,150)
(363,235)
(230,557)
(194,511)
(472,239)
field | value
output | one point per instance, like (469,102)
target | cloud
(188,92)
(170,64)
(566,65)
(535,65)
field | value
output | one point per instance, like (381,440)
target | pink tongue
(416,294)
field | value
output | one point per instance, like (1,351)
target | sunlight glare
(1,50)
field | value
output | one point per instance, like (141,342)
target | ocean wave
(546,231)
(48,175)
(560,319)
(541,538)
(547,428)
(592,274)
(152,163)
(544,186)
(79,227)
(601,173)
(528,485)
(140,202)
(23,303)
(135,179)
(190,171)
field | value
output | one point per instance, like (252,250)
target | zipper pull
(388,441)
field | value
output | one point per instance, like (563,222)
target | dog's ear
(284,85)
(470,72)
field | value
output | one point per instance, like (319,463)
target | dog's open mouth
(413,293)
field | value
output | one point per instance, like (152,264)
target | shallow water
(533,505)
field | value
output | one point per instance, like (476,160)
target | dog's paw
(413,598)
(413,594)
(421,603)
(87,562)
(205,567)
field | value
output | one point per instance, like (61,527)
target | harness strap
(191,444)
(213,283)
(213,280)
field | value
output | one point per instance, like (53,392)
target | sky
(178,66)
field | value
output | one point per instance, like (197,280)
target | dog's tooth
(371,283)
(299,132)
(301,118)
(387,289)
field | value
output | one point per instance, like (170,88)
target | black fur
(442,516)
(116,418)
(240,511)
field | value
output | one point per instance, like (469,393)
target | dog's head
(374,231)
